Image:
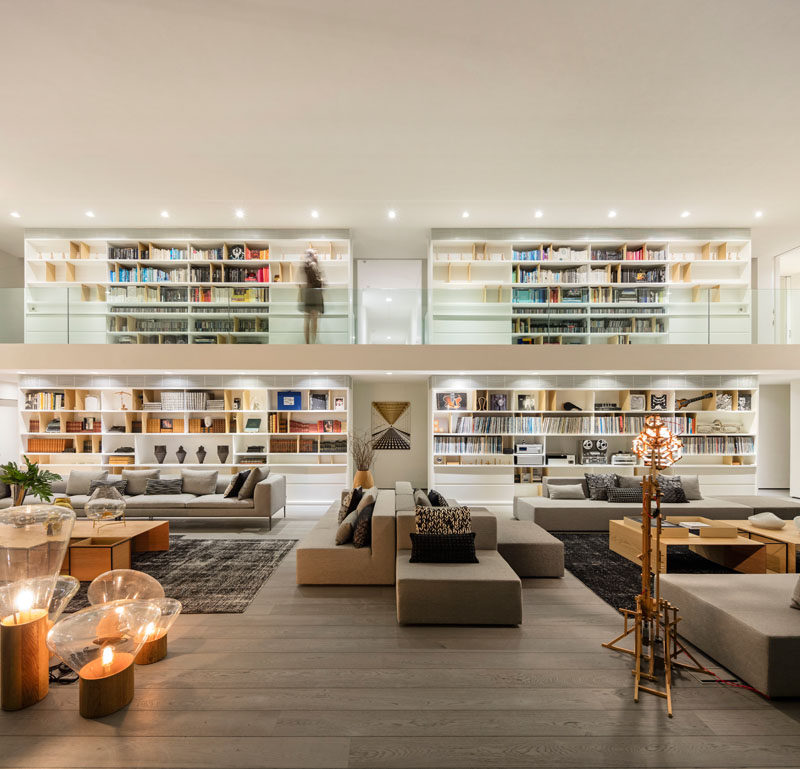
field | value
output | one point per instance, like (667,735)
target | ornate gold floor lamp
(654,621)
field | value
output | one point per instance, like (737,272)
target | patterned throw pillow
(344,533)
(362,532)
(350,502)
(443,548)
(164,486)
(672,489)
(437,500)
(235,486)
(625,494)
(120,485)
(599,484)
(442,520)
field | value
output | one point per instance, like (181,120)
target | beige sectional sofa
(320,561)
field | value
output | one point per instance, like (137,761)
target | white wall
(794,449)
(9,422)
(767,243)
(773,436)
(391,466)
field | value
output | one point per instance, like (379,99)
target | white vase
(797,521)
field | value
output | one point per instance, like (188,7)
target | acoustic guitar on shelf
(682,403)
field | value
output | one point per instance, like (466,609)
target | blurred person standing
(313,304)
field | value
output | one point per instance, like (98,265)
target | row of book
(549,296)
(248,275)
(44,400)
(718,444)
(642,275)
(211,294)
(118,323)
(44,445)
(489,445)
(544,326)
(626,325)
(610,295)
(167,253)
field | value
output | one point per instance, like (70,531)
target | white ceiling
(430,107)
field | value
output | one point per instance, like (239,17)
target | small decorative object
(62,501)
(452,401)
(155,634)
(318,401)
(744,402)
(222,453)
(767,520)
(594,451)
(237,404)
(165,425)
(100,644)
(201,455)
(33,543)
(498,402)
(289,400)
(252,425)
(161,453)
(124,399)
(658,402)
(207,423)
(481,403)
(30,479)
(682,403)
(638,402)
(724,402)
(236,252)
(526,402)
(180,454)
(363,452)
(106,506)
(570,406)
(338,404)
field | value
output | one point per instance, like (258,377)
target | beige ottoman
(529,549)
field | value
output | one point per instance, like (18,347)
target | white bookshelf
(475,449)
(97,417)
(158,288)
(592,289)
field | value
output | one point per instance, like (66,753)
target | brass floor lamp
(654,621)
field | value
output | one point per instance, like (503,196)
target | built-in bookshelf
(494,438)
(597,288)
(297,426)
(238,287)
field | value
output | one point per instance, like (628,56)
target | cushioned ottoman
(529,549)
(484,593)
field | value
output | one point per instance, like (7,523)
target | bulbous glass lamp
(33,543)
(63,592)
(155,646)
(119,584)
(105,506)
(100,644)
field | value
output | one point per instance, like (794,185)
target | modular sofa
(744,622)
(320,561)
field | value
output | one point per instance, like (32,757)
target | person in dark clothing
(313,304)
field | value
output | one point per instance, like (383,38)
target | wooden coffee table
(735,552)
(780,544)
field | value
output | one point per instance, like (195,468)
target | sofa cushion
(199,482)
(443,548)
(548,483)
(437,500)
(421,499)
(352,497)
(362,532)
(120,484)
(403,487)
(79,500)
(629,481)
(257,474)
(628,494)
(567,491)
(163,486)
(691,486)
(442,520)
(529,550)
(344,533)
(599,484)
(137,480)
(79,480)
(153,501)
(671,489)
(235,486)
(207,501)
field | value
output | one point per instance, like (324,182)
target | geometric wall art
(391,425)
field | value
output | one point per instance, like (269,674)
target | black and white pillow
(235,486)
(624,494)
(350,502)
(443,548)
(362,531)
(164,486)
(672,489)
(437,500)
(119,484)
(442,520)
(599,484)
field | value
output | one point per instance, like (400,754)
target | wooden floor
(324,677)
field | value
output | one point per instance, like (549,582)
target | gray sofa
(594,515)
(269,498)
(744,622)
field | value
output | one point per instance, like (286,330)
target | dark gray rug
(208,576)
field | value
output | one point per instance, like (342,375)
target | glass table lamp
(105,507)
(63,592)
(100,644)
(155,644)
(119,584)
(33,543)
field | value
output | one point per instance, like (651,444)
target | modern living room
(495,460)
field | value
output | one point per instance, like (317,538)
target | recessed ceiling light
(612,214)
(685,214)
(90,214)
(759,214)
(538,214)
(165,214)
(388,373)
(392,214)
(15,214)
(388,299)
(316,373)
(465,215)
(315,214)
(239,213)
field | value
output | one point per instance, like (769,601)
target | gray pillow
(569,491)
(5,490)
(163,486)
(629,482)
(249,486)
(344,533)
(421,498)
(79,480)
(795,604)
(137,480)
(691,486)
(199,482)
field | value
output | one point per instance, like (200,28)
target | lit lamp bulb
(22,606)
(107,659)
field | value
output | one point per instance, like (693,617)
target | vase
(364,479)
(201,455)
(181,454)
(161,453)
(222,453)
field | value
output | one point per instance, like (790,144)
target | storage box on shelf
(493,439)
(174,291)
(593,290)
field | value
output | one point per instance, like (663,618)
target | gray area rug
(208,576)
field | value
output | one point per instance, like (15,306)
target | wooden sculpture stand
(152,651)
(654,621)
(100,697)
(24,665)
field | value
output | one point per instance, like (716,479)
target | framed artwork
(252,425)
(165,425)
(498,402)
(391,425)
(526,402)
(637,402)
(451,401)
(289,400)
(318,401)
(338,404)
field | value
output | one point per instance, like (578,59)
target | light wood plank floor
(324,677)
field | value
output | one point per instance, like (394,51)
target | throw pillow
(137,480)
(257,474)
(119,484)
(362,532)
(437,500)
(691,486)
(629,481)
(344,533)
(199,482)
(344,504)
(567,491)
(356,496)
(795,604)
(421,498)
(163,486)
(79,480)
(443,548)
(599,484)
(443,520)
(235,486)
(625,494)
(671,490)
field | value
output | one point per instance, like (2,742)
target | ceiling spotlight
(388,373)
(685,214)
(165,214)
(90,214)
(538,214)
(239,213)
(316,373)
(388,299)
(15,214)
(759,214)
(315,214)
(465,215)
(392,214)
(612,214)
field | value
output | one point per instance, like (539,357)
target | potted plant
(30,479)
(363,452)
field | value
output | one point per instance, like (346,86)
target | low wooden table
(735,552)
(781,544)
(94,550)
